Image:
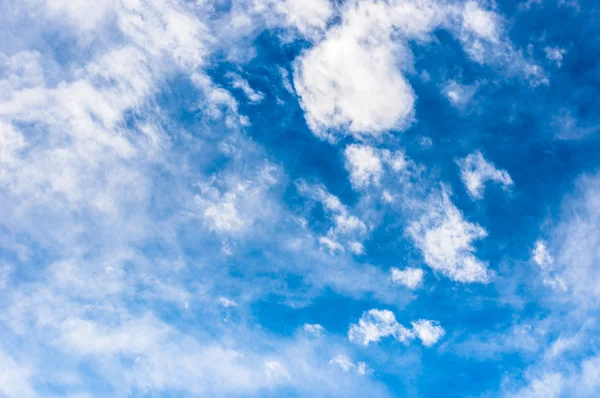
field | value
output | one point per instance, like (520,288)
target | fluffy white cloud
(475,171)
(308,17)
(428,331)
(483,23)
(375,325)
(412,278)
(446,240)
(364,165)
(352,81)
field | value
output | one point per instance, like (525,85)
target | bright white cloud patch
(375,325)
(446,241)
(364,165)
(428,331)
(475,171)
(412,278)
(367,165)
(351,82)
(541,255)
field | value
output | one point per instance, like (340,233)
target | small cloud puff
(555,54)
(227,302)
(475,170)
(428,331)
(412,278)
(459,94)
(313,329)
(377,324)
(541,256)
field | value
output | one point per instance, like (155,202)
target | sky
(299,198)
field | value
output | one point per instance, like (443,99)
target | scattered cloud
(375,325)
(446,240)
(475,171)
(412,278)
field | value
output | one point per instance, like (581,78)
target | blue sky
(299,198)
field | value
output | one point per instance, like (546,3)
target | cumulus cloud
(475,171)
(352,83)
(428,331)
(375,325)
(412,278)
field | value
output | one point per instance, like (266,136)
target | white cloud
(458,94)
(541,255)
(313,329)
(227,302)
(238,82)
(555,54)
(364,165)
(412,278)
(276,370)
(352,83)
(345,364)
(475,171)
(351,79)
(549,386)
(485,24)
(308,17)
(15,378)
(375,325)
(446,240)
(428,331)
(347,230)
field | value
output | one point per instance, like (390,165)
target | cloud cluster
(375,325)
